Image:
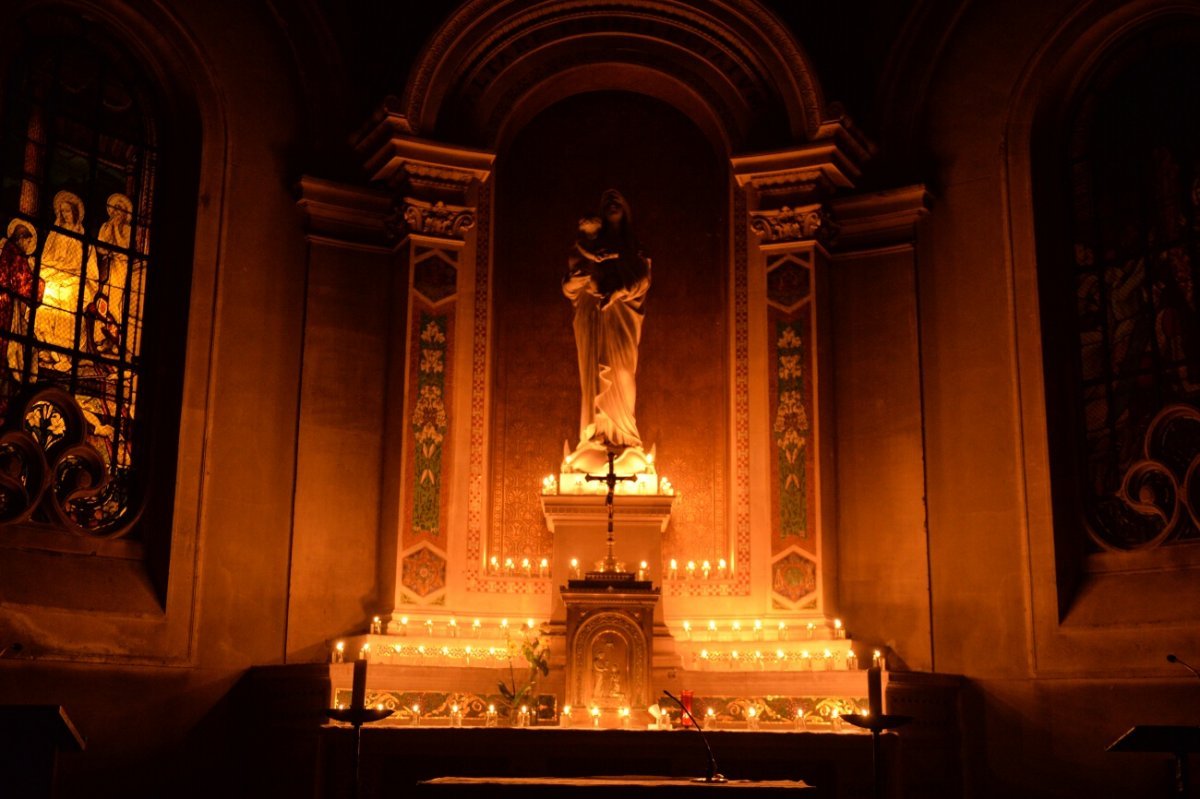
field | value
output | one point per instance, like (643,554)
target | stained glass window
(77,183)
(1134,159)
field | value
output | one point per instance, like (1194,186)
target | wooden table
(599,787)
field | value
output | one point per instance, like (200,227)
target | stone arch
(729,64)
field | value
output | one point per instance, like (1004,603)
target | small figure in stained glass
(62,269)
(113,261)
(16,288)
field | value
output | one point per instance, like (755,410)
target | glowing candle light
(722,566)
(416,711)
(476,628)
(595,717)
(811,628)
(691,568)
(339,652)
(734,659)
(687,629)
(641,574)
(529,624)
(758,658)
(575,568)
(526,567)
(877,660)
(828,660)
(780,655)
(706,568)
(544,568)
(674,571)
(379,705)
(710,716)
(625,718)
(838,630)
(752,717)
(836,720)
(758,630)
(851,660)
(509,566)
(799,724)
(455,716)
(445,651)
(469,651)
(805,661)
(404,625)
(737,627)
(489,718)
(376,626)
(523,716)
(712,625)
(429,626)
(504,625)
(453,625)
(564,718)
(365,652)
(494,564)
(421,650)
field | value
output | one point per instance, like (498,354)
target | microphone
(1173,659)
(713,774)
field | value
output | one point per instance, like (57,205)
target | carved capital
(810,222)
(433,219)
(808,173)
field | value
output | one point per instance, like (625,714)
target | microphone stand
(1184,663)
(713,774)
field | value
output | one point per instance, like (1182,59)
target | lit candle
(783,631)
(811,628)
(780,656)
(469,650)
(595,717)
(828,660)
(758,658)
(509,567)
(706,567)
(877,661)
(489,719)
(529,624)
(687,629)
(712,626)
(527,567)
(476,628)
(445,651)
(875,690)
(838,630)
(358,685)
(805,661)
(799,724)
(429,627)
(523,716)
(752,718)
(376,626)
(504,626)
(421,650)
(455,716)
(703,657)
(544,568)
(625,718)
(721,567)
(453,627)
(836,720)
(564,718)
(710,716)
(674,572)
(404,625)
(691,569)
(851,660)
(758,631)
(575,568)
(641,575)
(735,659)
(416,713)
(737,629)
(339,652)
(494,564)
(365,652)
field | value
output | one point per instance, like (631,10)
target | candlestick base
(358,716)
(876,723)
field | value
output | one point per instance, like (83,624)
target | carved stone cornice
(809,222)
(411,166)
(346,213)
(436,219)
(880,219)
(807,173)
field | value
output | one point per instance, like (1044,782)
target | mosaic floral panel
(794,577)
(793,476)
(423,572)
(429,424)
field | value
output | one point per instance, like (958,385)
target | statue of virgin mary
(608,276)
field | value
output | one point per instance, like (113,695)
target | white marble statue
(607,279)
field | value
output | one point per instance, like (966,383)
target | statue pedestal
(579,523)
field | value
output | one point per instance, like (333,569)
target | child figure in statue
(608,277)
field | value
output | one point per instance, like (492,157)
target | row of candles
(450,628)
(712,631)
(780,660)
(755,631)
